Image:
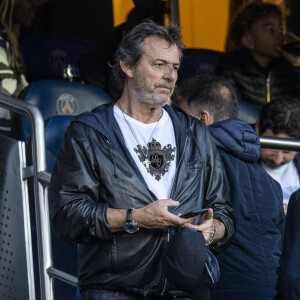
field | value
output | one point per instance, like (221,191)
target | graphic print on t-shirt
(156,159)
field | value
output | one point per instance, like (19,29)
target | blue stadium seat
(46,56)
(198,61)
(55,128)
(60,97)
(248,112)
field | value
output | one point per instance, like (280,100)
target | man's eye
(176,67)
(160,65)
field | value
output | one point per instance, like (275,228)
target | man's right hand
(152,216)
(156,215)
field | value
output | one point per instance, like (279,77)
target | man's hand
(293,59)
(154,215)
(206,223)
(290,37)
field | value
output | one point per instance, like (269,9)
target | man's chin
(271,165)
(157,101)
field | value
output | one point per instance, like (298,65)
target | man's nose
(170,72)
(278,157)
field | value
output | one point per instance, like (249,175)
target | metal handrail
(40,191)
(279,144)
(65,277)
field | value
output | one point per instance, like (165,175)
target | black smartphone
(194,213)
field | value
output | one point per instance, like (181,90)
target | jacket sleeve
(77,213)
(288,273)
(216,194)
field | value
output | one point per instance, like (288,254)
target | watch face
(130,227)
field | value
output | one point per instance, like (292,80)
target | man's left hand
(206,226)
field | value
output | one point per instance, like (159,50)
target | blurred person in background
(262,68)
(281,119)
(13,14)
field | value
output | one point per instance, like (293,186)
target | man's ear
(205,117)
(247,41)
(126,69)
(257,127)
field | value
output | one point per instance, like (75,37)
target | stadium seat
(60,97)
(248,112)
(198,61)
(46,56)
(55,128)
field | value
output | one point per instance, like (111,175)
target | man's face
(153,80)
(266,36)
(273,159)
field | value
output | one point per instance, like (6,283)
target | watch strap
(129,214)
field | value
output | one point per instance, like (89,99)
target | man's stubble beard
(148,98)
(271,165)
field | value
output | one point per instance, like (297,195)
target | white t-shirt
(158,165)
(288,177)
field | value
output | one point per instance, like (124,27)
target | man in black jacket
(126,170)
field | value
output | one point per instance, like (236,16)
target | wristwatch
(130,226)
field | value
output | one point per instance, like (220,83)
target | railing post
(40,192)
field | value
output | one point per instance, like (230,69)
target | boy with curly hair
(260,69)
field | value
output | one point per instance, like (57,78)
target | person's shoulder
(99,118)
(177,114)
(297,161)
(182,120)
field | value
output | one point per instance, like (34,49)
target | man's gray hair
(132,46)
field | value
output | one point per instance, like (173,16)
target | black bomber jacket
(94,170)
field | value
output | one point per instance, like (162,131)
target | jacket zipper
(268,88)
(172,188)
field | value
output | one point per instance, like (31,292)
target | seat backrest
(55,128)
(248,112)
(46,56)
(198,61)
(61,97)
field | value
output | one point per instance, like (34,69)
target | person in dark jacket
(248,266)
(127,169)
(281,119)
(261,69)
(288,284)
